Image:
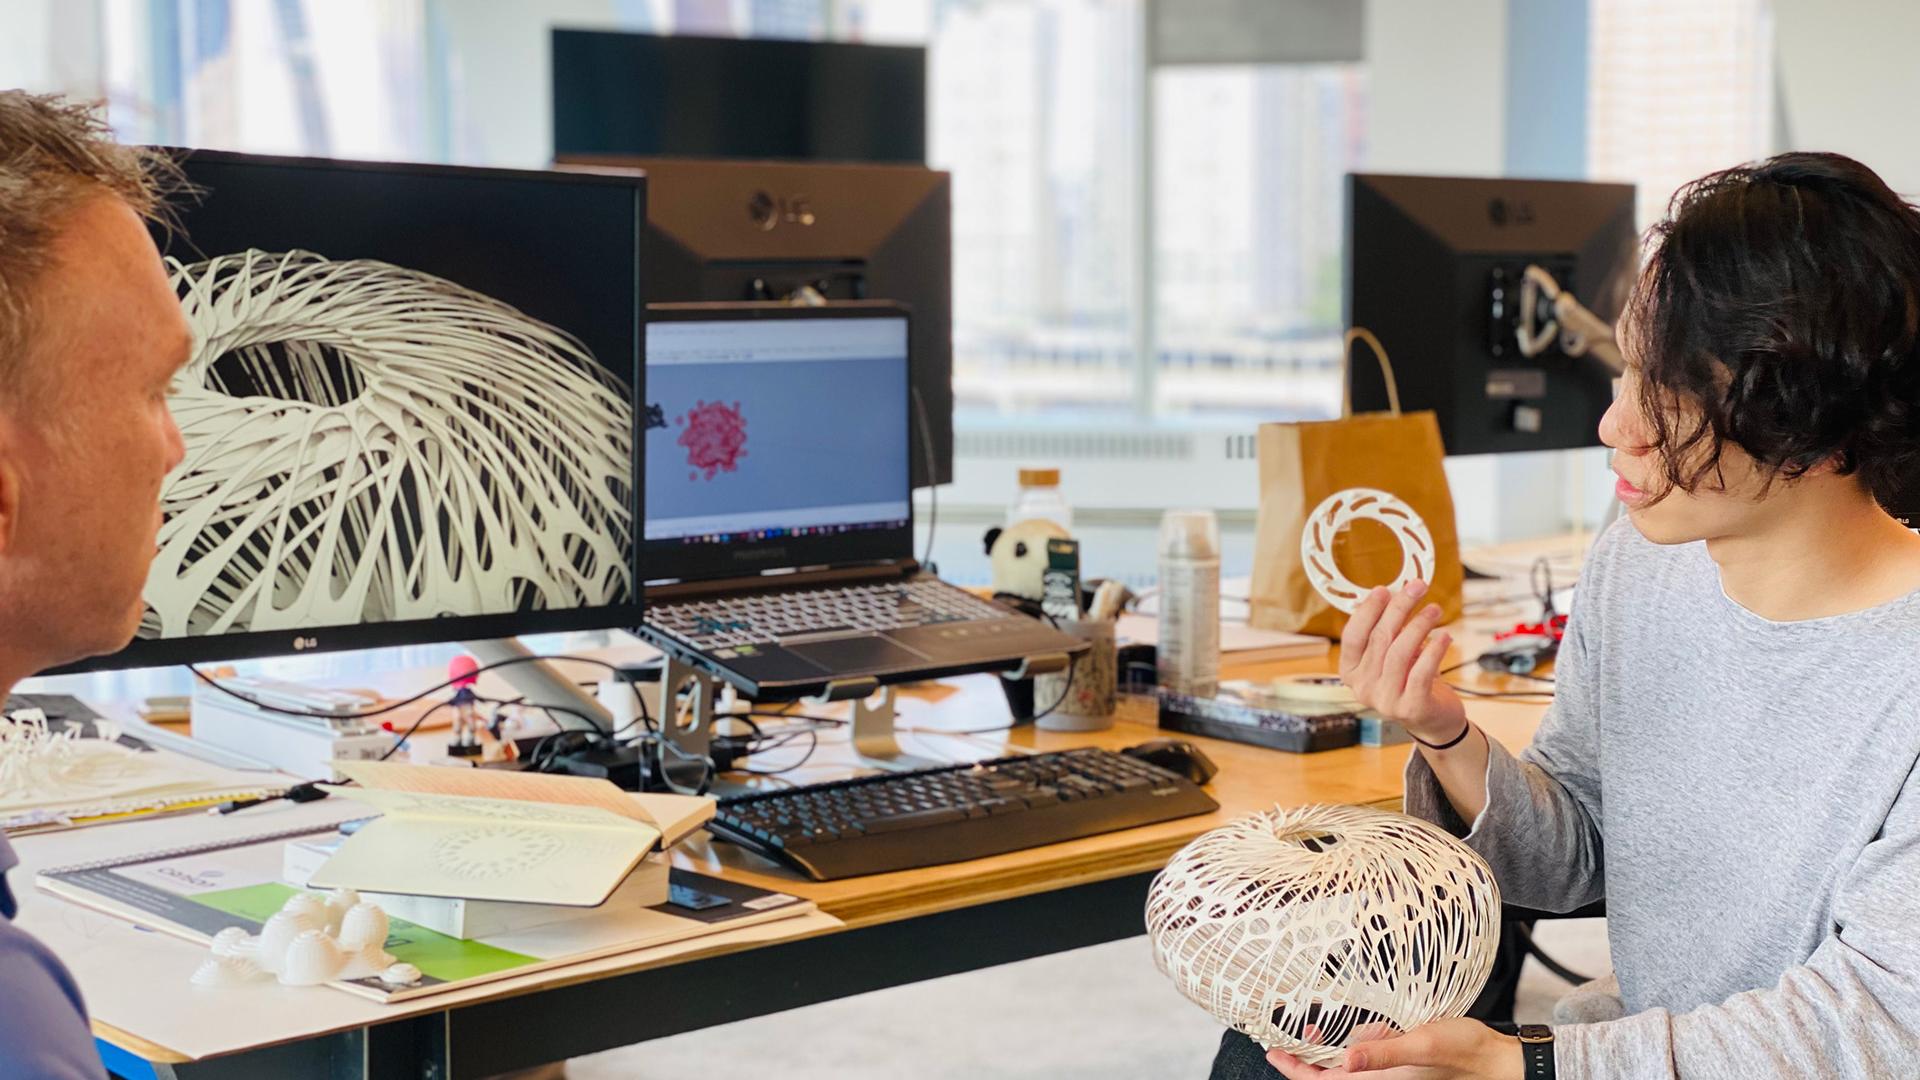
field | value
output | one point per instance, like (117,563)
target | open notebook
(476,834)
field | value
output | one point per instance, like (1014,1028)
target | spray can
(1189,650)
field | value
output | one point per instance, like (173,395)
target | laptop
(778,540)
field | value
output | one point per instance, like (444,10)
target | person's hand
(1443,1050)
(1388,661)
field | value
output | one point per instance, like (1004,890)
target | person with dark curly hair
(1732,759)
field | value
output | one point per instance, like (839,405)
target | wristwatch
(1536,1046)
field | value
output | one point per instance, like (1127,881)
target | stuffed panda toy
(1019,556)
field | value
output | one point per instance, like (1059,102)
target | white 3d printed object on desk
(311,940)
(1306,928)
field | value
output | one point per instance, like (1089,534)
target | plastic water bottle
(1189,650)
(1040,498)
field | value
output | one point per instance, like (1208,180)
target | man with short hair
(91,335)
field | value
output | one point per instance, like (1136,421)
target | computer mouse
(1176,756)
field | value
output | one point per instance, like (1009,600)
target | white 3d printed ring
(1341,509)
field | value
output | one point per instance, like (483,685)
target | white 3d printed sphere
(1302,928)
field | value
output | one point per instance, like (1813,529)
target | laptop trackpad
(867,653)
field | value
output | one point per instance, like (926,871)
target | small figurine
(497,743)
(466,714)
(1018,554)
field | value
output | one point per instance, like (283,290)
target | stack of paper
(82,780)
(1239,642)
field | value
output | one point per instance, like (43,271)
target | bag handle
(1361,333)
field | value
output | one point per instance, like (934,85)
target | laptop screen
(775,438)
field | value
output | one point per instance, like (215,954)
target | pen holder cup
(1089,701)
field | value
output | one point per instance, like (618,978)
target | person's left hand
(1443,1050)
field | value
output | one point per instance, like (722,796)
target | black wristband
(1449,744)
(1536,1048)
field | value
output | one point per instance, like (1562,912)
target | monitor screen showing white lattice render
(408,415)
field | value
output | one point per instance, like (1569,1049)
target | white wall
(1850,82)
(1436,84)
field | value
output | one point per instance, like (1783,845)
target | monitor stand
(539,681)
(685,738)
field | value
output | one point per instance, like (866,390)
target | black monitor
(683,96)
(1434,266)
(409,413)
(772,231)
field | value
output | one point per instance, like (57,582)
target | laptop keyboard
(726,622)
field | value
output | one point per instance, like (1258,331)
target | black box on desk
(1245,714)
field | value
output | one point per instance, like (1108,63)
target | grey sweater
(1743,794)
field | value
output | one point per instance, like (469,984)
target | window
(345,78)
(1033,110)
(1677,91)
(1249,166)
(1035,107)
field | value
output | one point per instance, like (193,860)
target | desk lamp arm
(1581,332)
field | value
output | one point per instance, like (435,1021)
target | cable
(933,489)
(431,690)
(1073,667)
(402,740)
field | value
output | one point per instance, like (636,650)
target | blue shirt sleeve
(43,1022)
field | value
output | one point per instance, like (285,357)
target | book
(474,834)
(1239,642)
(195,891)
(463,918)
(1245,713)
(29,822)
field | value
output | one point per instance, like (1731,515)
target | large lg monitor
(724,231)
(685,96)
(409,412)
(1434,269)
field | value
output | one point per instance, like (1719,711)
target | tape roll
(1315,689)
(1341,509)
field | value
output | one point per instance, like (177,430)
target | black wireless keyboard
(897,821)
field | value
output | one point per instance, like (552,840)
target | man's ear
(11,487)
(10,491)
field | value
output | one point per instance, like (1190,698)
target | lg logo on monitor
(1503,211)
(767,211)
(301,644)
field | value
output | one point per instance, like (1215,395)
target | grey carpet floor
(1101,1013)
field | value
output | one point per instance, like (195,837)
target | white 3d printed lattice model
(370,443)
(1341,509)
(1308,929)
(307,942)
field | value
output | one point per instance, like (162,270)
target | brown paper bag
(1303,463)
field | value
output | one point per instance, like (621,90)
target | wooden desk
(900,928)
